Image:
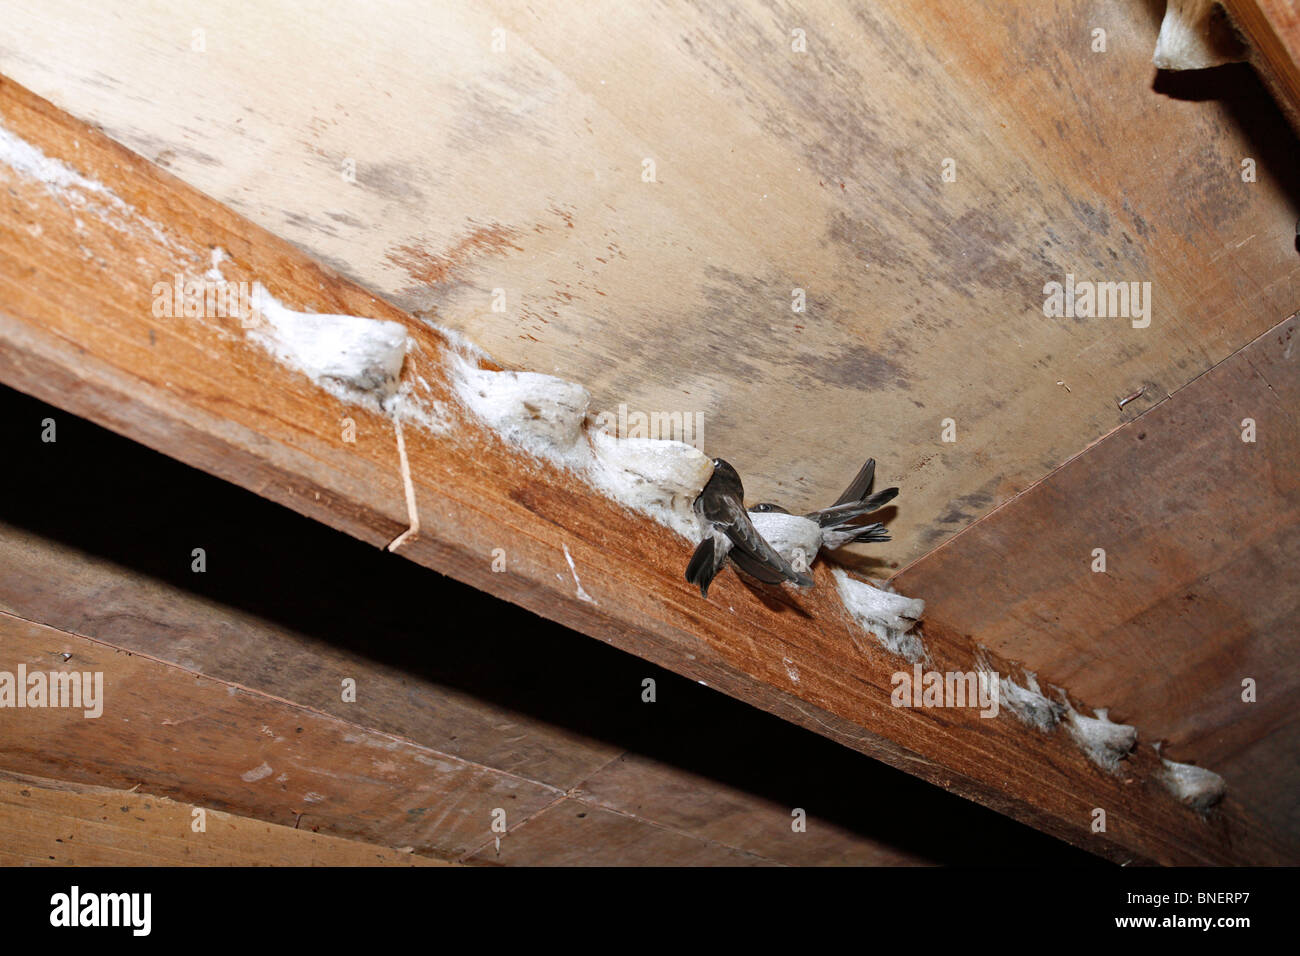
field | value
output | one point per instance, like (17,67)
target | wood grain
(1273,30)
(520,170)
(76,324)
(265,758)
(1200,589)
(289,608)
(567,833)
(52,823)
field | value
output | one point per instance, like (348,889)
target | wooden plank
(52,823)
(520,169)
(76,326)
(1200,589)
(573,833)
(452,699)
(516,694)
(1272,28)
(261,757)
(371,790)
(694,803)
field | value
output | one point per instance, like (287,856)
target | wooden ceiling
(776,170)
(521,169)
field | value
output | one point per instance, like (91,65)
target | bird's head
(766,507)
(725,479)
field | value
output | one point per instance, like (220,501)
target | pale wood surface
(521,170)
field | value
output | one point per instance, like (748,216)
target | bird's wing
(755,568)
(751,551)
(861,484)
(841,513)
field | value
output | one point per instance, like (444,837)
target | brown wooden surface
(172,733)
(1202,581)
(262,757)
(1273,30)
(521,170)
(75,325)
(52,823)
(564,834)
(512,692)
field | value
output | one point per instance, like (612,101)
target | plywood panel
(520,169)
(1200,589)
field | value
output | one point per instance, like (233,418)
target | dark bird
(729,532)
(795,539)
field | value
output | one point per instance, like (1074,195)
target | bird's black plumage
(730,533)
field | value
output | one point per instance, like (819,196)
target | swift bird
(799,538)
(796,539)
(729,532)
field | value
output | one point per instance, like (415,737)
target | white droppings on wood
(656,477)
(214,271)
(1026,701)
(791,671)
(1194,786)
(1105,743)
(888,616)
(573,569)
(541,414)
(80,192)
(355,358)
(257,773)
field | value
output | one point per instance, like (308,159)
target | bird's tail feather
(701,569)
(839,514)
(852,534)
(861,484)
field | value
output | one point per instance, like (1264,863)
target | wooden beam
(1272,28)
(257,762)
(263,758)
(77,329)
(55,823)
(479,169)
(515,693)
(1195,505)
